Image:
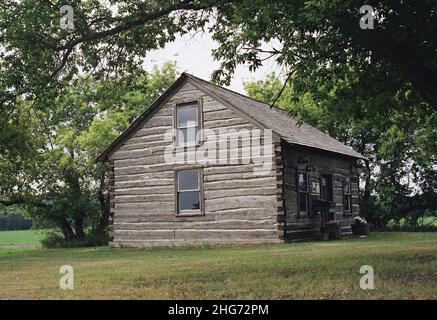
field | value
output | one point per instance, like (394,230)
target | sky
(192,53)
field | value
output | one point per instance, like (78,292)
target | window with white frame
(189,197)
(187,123)
(347,196)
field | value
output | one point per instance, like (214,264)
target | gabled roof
(279,121)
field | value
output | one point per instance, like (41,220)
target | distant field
(20,238)
(405,266)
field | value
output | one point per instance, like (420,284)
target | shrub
(54,239)
(426,223)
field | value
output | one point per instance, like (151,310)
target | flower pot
(361,229)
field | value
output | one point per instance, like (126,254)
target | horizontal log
(210,105)
(225,234)
(144,198)
(181,243)
(229,123)
(143,191)
(219,115)
(189,95)
(159,217)
(232,168)
(241,183)
(233,176)
(143,235)
(143,183)
(144,176)
(257,191)
(131,154)
(158,121)
(265,202)
(148,206)
(245,213)
(198,225)
(149,131)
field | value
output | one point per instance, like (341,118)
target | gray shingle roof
(273,118)
(278,121)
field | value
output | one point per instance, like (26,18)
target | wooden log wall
(305,227)
(240,207)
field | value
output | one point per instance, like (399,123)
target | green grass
(20,237)
(405,266)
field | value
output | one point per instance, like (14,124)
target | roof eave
(104,156)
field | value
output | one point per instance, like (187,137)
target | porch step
(346,230)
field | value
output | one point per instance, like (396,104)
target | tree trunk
(66,229)
(367,191)
(78,227)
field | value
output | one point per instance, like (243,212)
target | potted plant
(361,227)
(333,228)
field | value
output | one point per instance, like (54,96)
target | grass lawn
(405,266)
(20,237)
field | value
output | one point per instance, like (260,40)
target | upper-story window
(347,196)
(187,123)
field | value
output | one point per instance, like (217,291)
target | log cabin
(206,165)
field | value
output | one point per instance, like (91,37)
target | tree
(315,38)
(64,184)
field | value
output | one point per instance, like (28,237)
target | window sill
(189,214)
(188,146)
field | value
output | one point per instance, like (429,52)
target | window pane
(187,135)
(187,116)
(189,200)
(303,182)
(326,192)
(346,185)
(315,187)
(188,180)
(347,203)
(302,202)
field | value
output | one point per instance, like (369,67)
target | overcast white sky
(193,55)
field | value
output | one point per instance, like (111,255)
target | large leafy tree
(56,177)
(314,38)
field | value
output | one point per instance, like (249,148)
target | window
(303,198)
(188,191)
(347,197)
(187,123)
(326,187)
(315,187)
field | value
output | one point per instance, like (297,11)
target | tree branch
(283,88)
(129,23)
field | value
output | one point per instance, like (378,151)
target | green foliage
(14,221)
(57,177)
(424,223)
